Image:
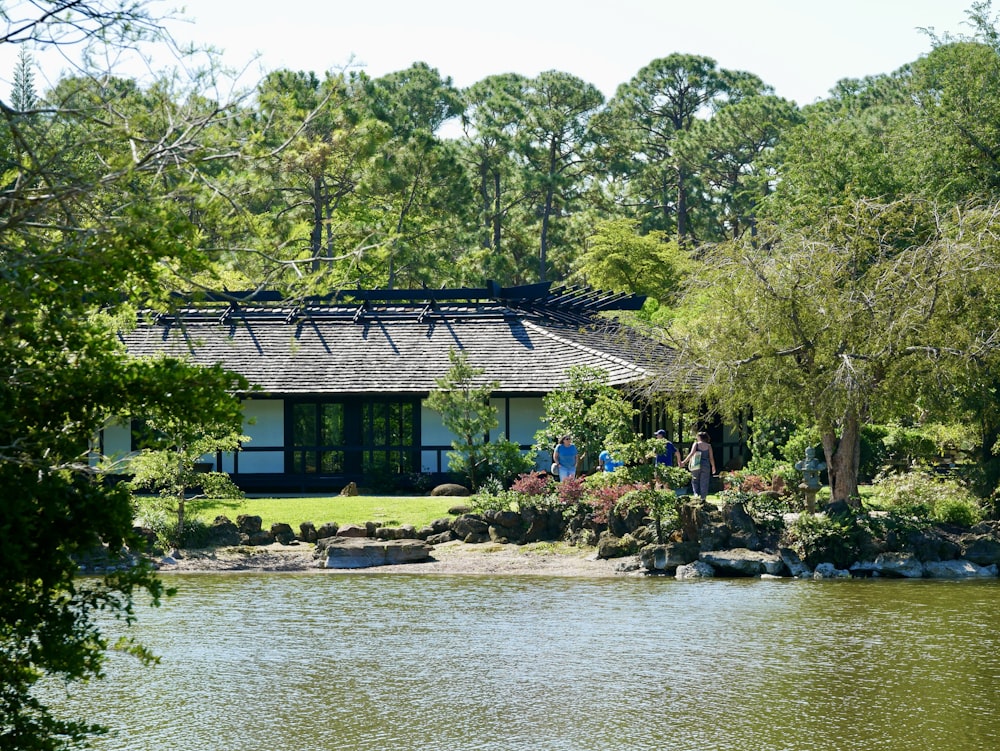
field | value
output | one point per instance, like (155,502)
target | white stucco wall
(518,418)
(264,424)
(433,432)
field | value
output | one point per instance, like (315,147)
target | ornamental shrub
(533,484)
(925,496)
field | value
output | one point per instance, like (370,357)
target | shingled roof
(393,341)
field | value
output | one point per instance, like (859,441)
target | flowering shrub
(533,484)
(570,491)
(603,499)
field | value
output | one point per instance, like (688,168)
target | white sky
(800,47)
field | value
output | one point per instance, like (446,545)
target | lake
(259,662)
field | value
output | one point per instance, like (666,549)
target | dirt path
(544,559)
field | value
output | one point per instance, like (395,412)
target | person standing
(606,462)
(566,456)
(670,454)
(701,461)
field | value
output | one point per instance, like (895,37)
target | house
(341,381)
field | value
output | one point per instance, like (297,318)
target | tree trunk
(843,456)
(497,213)
(682,229)
(316,232)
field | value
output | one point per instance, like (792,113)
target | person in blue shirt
(607,462)
(670,455)
(566,456)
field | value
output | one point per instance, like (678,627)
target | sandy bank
(542,559)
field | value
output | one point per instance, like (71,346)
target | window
(352,436)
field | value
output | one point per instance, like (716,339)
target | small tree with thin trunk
(463,400)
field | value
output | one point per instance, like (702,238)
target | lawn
(388,511)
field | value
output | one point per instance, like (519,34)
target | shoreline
(455,557)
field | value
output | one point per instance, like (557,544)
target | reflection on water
(332,661)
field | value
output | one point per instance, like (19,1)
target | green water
(354,661)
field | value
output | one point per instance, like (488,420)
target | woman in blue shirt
(566,456)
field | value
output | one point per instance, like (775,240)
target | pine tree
(22,95)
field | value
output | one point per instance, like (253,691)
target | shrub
(603,499)
(535,484)
(660,505)
(492,497)
(818,538)
(676,478)
(925,496)
(956,511)
(570,491)
(505,460)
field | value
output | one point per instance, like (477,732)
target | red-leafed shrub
(533,484)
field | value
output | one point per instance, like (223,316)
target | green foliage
(676,478)
(619,259)
(464,404)
(102,193)
(590,410)
(660,505)
(505,461)
(492,496)
(924,496)
(818,538)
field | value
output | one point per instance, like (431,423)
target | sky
(799,47)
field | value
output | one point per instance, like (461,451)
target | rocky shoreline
(454,557)
(706,541)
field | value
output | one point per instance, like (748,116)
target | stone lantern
(810,469)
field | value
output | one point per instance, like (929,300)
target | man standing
(670,455)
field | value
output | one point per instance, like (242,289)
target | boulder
(796,567)
(695,570)
(957,570)
(223,532)
(897,565)
(932,545)
(352,530)
(829,571)
(982,550)
(328,529)
(742,530)
(450,489)
(610,546)
(440,538)
(742,562)
(249,524)
(470,528)
(351,553)
(668,557)
(283,533)
(307,532)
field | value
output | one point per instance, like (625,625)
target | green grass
(389,511)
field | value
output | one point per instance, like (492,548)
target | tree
(646,122)
(464,404)
(862,318)
(618,259)
(170,468)
(93,213)
(557,146)
(494,109)
(23,96)
(590,410)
